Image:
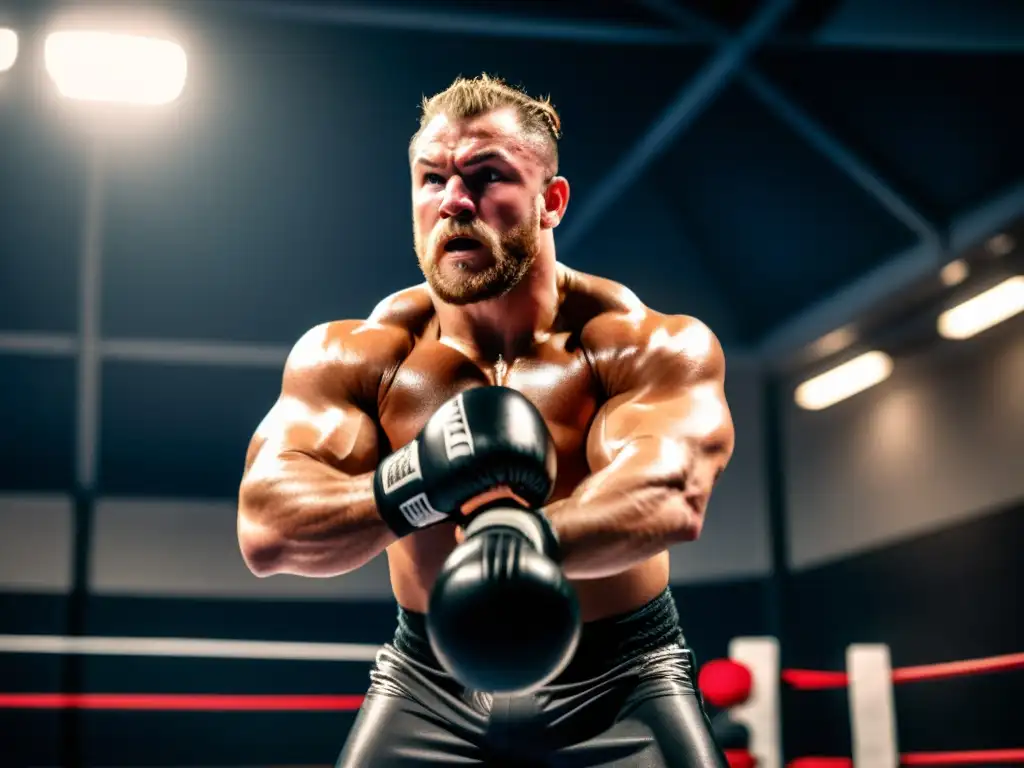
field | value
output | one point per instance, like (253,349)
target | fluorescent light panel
(844,381)
(983,311)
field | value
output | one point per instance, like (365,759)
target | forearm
(298,515)
(647,499)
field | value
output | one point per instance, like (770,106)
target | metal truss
(688,104)
(934,247)
(899,271)
(894,275)
(852,28)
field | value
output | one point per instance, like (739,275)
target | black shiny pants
(644,713)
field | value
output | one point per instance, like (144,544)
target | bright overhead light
(835,342)
(844,381)
(984,310)
(954,273)
(1000,245)
(105,66)
(8,48)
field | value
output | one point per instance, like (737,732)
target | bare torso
(557,375)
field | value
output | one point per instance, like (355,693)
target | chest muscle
(557,381)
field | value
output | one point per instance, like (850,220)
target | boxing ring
(750,682)
(748,685)
(869,677)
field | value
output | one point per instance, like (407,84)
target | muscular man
(634,405)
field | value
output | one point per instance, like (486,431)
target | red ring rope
(180,702)
(812,680)
(983,756)
(320,703)
(964,758)
(959,668)
(800,679)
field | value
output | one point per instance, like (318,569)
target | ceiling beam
(690,102)
(994,36)
(477,23)
(800,121)
(924,25)
(895,275)
(845,159)
(45,344)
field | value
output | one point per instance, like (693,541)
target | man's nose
(457,203)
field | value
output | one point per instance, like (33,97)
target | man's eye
(433,178)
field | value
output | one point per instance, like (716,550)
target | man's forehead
(500,128)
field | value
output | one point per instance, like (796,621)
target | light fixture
(844,381)
(113,67)
(954,273)
(8,48)
(983,311)
(835,342)
(1001,244)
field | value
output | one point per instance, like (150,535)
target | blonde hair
(466,98)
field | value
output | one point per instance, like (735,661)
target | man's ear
(556,200)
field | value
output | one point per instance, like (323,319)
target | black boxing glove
(509,520)
(502,616)
(480,439)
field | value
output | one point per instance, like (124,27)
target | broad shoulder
(586,297)
(408,310)
(631,344)
(351,357)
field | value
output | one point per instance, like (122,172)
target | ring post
(872,709)
(761,712)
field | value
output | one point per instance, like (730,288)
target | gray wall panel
(940,442)
(734,543)
(35,543)
(189,548)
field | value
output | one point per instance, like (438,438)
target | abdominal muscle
(416,560)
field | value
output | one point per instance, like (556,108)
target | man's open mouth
(461,244)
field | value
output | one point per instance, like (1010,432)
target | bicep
(671,392)
(317,414)
(689,415)
(339,435)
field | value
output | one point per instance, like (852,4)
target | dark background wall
(905,520)
(274,195)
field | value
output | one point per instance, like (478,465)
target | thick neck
(508,326)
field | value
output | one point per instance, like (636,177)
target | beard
(511,255)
